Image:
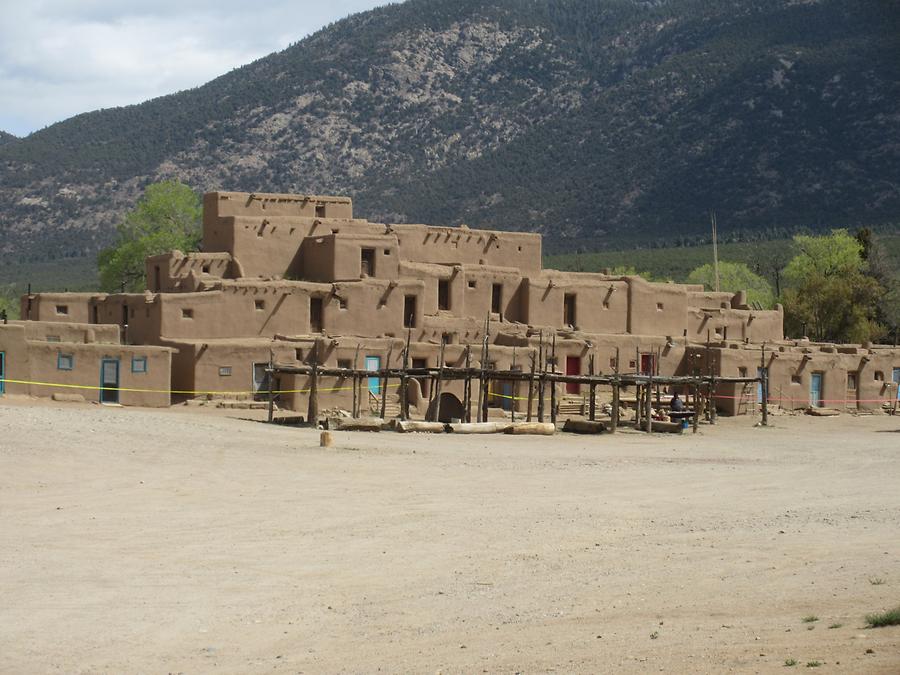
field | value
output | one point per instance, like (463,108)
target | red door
(573,367)
(647,364)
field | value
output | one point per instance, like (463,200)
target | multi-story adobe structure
(298,279)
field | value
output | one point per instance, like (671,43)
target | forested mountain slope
(588,120)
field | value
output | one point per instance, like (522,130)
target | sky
(59,58)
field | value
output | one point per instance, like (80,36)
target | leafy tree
(9,301)
(830,295)
(165,218)
(734,277)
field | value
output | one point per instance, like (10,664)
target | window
(659,307)
(298,354)
(409,311)
(724,332)
(742,372)
(569,309)
(387,251)
(851,380)
(367,262)
(342,303)
(62,309)
(612,362)
(259,304)
(205,269)
(879,376)
(443,294)
(187,314)
(496,298)
(796,379)
(138,364)
(320,210)
(53,338)
(224,371)
(447,338)
(316,322)
(472,283)
(346,364)
(65,361)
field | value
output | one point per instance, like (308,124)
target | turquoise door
(815,391)
(2,372)
(109,381)
(374,363)
(896,381)
(759,374)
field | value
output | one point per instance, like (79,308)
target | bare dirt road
(182,541)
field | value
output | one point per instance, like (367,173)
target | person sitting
(676,404)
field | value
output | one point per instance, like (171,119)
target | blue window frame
(138,364)
(65,361)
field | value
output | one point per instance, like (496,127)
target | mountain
(6,137)
(592,121)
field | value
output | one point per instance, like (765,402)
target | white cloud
(59,58)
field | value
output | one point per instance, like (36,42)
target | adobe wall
(63,307)
(39,361)
(459,245)
(338,257)
(169,272)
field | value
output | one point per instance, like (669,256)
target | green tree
(734,277)
(9,301)
(165,218)
(829,295)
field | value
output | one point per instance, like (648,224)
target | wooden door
(815,391)
(374,363)
(573,367)
(109,381)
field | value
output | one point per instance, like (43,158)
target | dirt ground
(187,541)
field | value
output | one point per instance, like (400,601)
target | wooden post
(404,379)
(541,379)
(384,381)
(270,372)
(467,385)
(553,384)
(649,421)
(512,400)
(531,386)
(312,410)
(614,418)
(592,407)
(482,379)
(439,385)
(696,421)
(356,381)
(638,405)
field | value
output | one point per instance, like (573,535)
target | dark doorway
(648,364)
(409,311)
(569,310)
(367,262)
(573,367)
(109,381)
(496,298)
(443,294)
(316,324)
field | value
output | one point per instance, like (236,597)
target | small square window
(345,364)
(139,364)
(795,379)
(320,210)
(187,314)
(65,361)
(259,304)
(659,307)
(62,309)
(387,251)
(879,375)
(472,283)
(224,371)
(342,303)
(205,269)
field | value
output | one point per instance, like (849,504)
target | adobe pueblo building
(297,280)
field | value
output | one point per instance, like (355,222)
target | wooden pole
(356,382)
(467,385)
(553,384)
(614,418)
(404,379)
(696,387)
(531,386)
(592,407)
(650,403)
(712,399)
(271,380)
(384,381)
(541,380)
(638,406)
(439,385)
(512,391)
(482,376)
(312,410)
